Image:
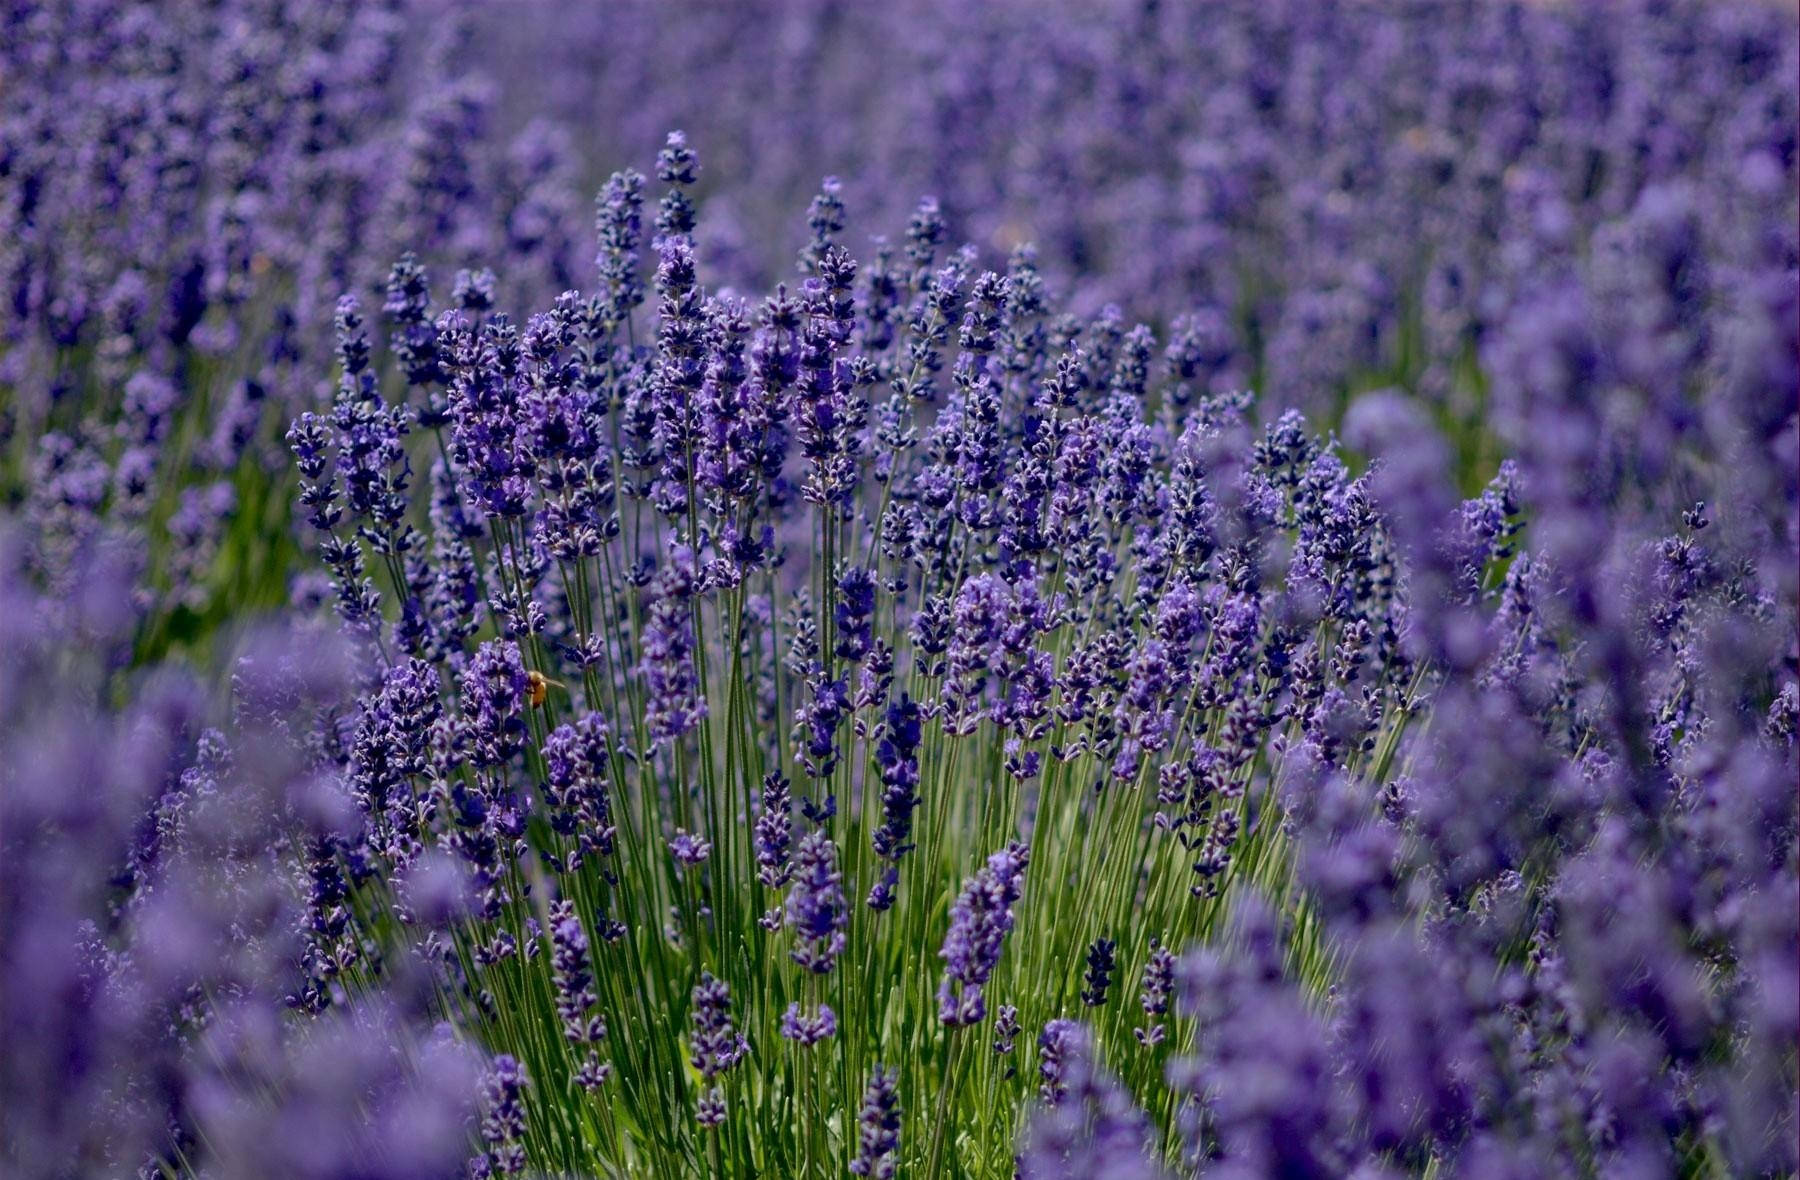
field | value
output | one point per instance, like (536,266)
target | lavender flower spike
(980,920)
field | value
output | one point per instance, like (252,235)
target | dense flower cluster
(1319,193)
(1180,651)
(884,710)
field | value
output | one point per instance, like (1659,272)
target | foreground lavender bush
(819,695)
(704,771)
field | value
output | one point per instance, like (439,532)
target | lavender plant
(1016,621)
(780,632)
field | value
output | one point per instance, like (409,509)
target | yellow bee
(537,688)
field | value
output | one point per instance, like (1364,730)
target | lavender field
(1059,589)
